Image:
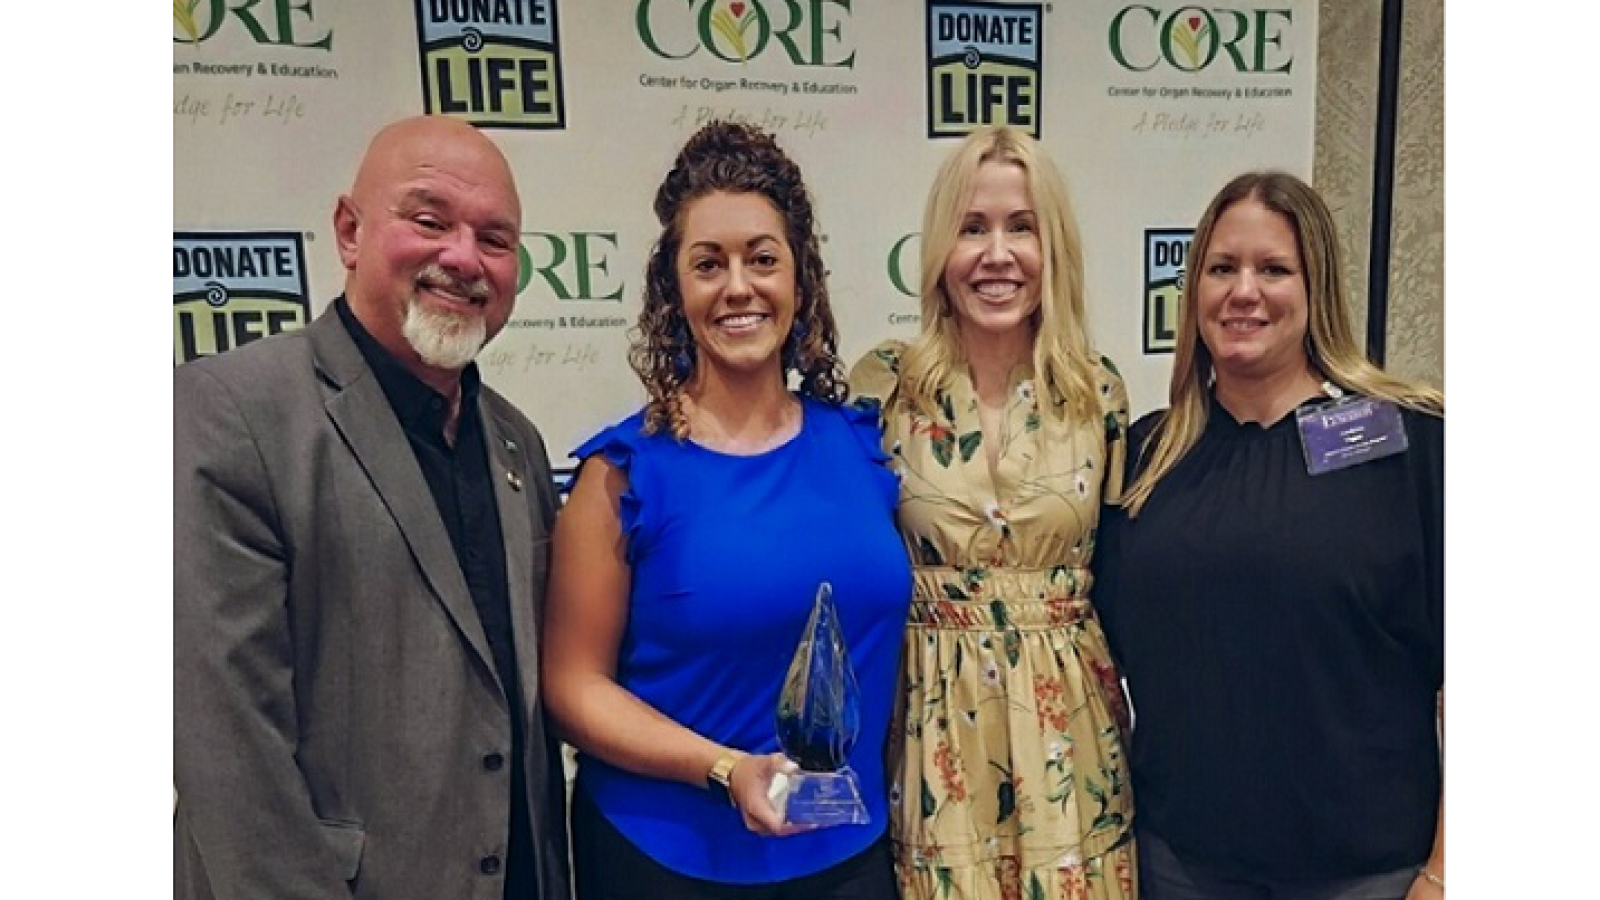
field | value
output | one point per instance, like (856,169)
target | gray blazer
(337,717)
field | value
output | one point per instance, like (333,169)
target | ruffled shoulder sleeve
(620,445)
(1114,413)
(876,376)
(864,424)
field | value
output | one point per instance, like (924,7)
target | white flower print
(996,516)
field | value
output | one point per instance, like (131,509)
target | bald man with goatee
(360,533)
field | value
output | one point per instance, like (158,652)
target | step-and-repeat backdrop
(1146,107)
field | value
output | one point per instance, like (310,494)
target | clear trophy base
(818,799)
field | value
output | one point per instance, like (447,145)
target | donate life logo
(1193,39)
(1165,251)
(231,288)
(985,66)
(808,33)
(281,23)
(494,63)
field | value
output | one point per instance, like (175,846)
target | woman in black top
(1273,587)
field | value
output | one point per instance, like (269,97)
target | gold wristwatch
(717,780)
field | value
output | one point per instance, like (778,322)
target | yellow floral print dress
(1011,781)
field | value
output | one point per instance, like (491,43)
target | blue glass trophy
(819,719)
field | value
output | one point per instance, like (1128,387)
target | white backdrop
(1146,107)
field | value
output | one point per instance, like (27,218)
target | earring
(683,356)
(791,347)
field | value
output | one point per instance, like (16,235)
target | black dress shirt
(463,491)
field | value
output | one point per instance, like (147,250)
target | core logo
(904,275)
(1192,38)
(494,63)
(809,32)
(1164,252)
(231,288)
(279,23)
(985,66)
(574,266)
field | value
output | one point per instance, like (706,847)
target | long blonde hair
(1330,342)
(1062,360)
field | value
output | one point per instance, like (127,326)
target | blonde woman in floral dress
(1007,431)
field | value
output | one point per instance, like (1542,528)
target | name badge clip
(1348,431)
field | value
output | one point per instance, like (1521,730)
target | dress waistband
(1000,598)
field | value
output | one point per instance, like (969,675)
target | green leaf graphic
(725,25)
(969,444)
(1007,800)
(1189,42)
(183,14)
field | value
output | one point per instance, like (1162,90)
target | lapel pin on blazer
(515,480)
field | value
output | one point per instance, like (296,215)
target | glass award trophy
(819,718)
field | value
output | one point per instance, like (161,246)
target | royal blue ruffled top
(727,553)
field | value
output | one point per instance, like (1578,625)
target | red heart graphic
(1194,23)
(738,9)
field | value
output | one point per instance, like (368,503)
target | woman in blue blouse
(686,561)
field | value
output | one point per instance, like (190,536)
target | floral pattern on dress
(1011,778)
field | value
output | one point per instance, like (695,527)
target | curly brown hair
(732,157)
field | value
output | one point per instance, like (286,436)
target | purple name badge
(1349,432)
